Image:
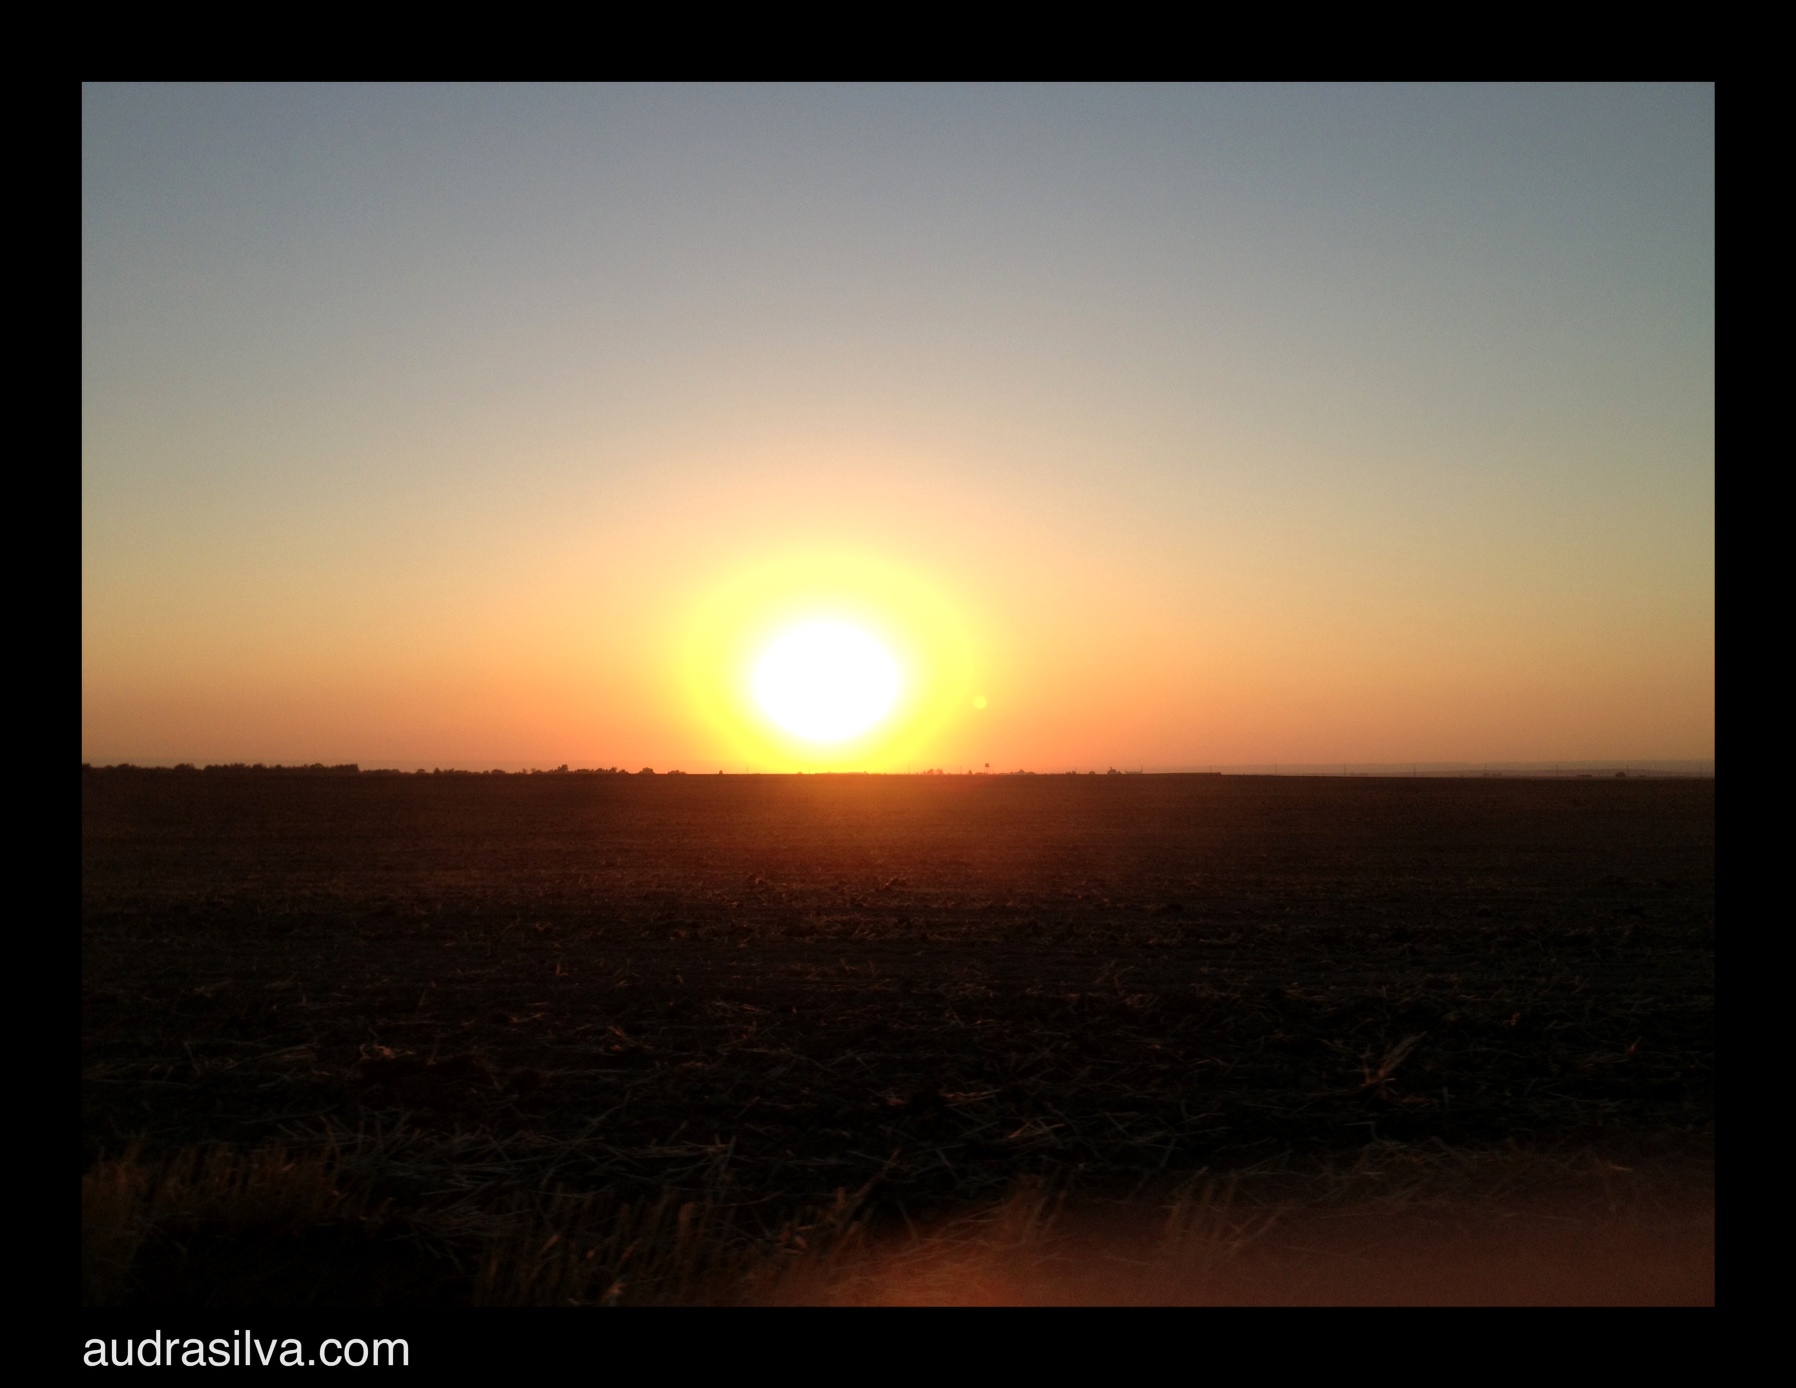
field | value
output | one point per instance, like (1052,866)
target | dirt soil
(781,986)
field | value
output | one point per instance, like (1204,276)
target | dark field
(487,997)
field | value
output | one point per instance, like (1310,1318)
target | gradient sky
(422,426)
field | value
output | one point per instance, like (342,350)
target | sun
(826,681)
(826,661)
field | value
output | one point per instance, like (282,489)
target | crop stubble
(783,986)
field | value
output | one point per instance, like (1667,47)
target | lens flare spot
(826,682)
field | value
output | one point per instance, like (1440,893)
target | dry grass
(215,1226)
(1397,1224)
(138,1215)
(671,1251)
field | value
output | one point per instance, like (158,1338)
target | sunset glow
(1184,426)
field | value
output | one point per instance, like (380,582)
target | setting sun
(826,681)
(827,662)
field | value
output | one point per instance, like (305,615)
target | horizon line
(1699,767)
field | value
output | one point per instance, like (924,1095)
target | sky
(1154,427)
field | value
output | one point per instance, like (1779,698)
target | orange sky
(1186,427)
